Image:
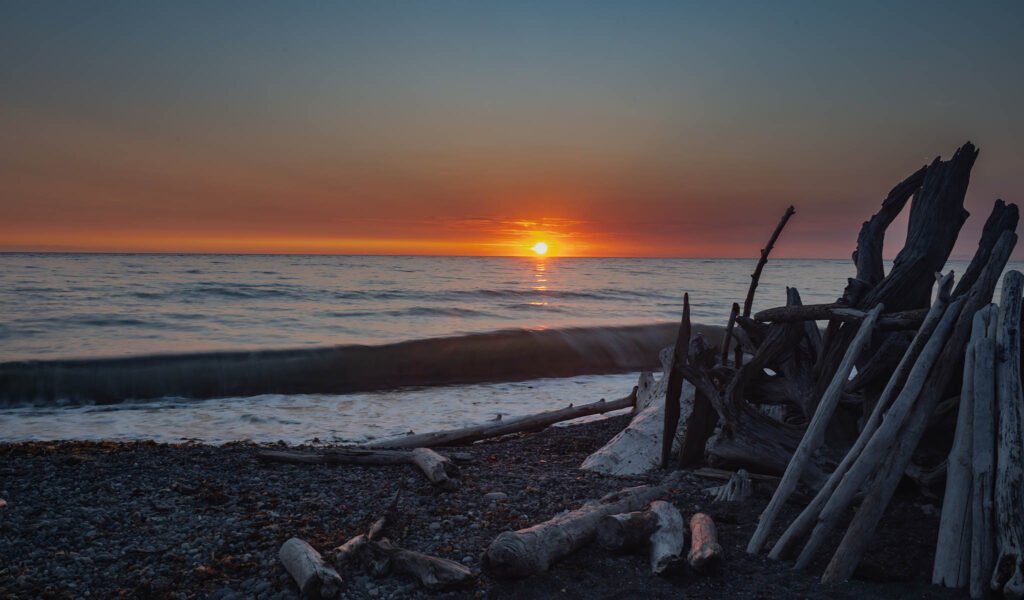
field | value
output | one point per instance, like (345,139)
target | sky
(479,128)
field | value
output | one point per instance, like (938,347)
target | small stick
(728,334)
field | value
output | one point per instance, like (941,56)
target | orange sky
(479,130)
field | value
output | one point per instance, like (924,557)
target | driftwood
(669,539)
(877,498)
(713,473)
(814,435)
(699,425)
(803,523)
(983,460)
(438,469)
(533,550)
(315,578)
(727,340)
(626,531)
(1008,576)
(908,319)
(952,565)
(878,448)
(755,277)
(737,489)
(675,384)
(474,433)
(705,551)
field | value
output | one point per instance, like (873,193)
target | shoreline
(151,520)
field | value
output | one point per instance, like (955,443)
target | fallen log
(713,473)
(983,459)
(908,319)
(516,554)
(438,469)
(1008,576)
(669,539)
(705,551)
(626,531)
(468,435)
(737,489)
(854,543)
(814,435)
(315,578)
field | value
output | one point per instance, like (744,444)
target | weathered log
(854,543)
(727,340)
(814,435)
(533,550)
(669,539)
(434,573)
(880,445)
(315,578)
(705,551)
(699,425)
(737,489)
(983,459)
(755,277)
(473,433)
(1003,217)
(803,523)
(907,319)
(725,475)
(438,469)
(626,531)
(675,384)
(952,565)
(1008,576)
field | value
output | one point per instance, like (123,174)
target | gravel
(146,520)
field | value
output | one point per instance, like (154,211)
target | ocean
(95,306)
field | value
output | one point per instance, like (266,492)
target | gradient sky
(658,128)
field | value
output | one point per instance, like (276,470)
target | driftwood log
(669,539)
(814,435)
(705,551)
(983,461)
(674,388)
(516,554)
(474,433)
(755,277)
(1008,576)
(439,469)
(316,579)
(737,489)
(626,531)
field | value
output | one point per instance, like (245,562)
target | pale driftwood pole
(803,523)
(669,539)
(983,459)
(952,566)
(878,448)
(1008,576)
(756,276)
(814,436)
(468,435)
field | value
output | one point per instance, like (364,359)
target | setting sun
(540,248)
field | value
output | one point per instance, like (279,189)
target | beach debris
(705,551)
(380,557)
(315,578)
(440,470)
(517,554)
(737,489)
(3,503)
(492,429)
(660,526)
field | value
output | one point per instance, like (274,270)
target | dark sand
(142,520)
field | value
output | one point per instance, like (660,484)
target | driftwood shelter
(911,373)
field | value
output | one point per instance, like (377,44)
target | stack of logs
(789,400)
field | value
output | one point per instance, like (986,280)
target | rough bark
(315,578)
(1003,217)
(474,433)
(515,554)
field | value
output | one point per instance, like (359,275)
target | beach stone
(496,496)
(434,526)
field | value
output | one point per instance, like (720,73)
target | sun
(540,248)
